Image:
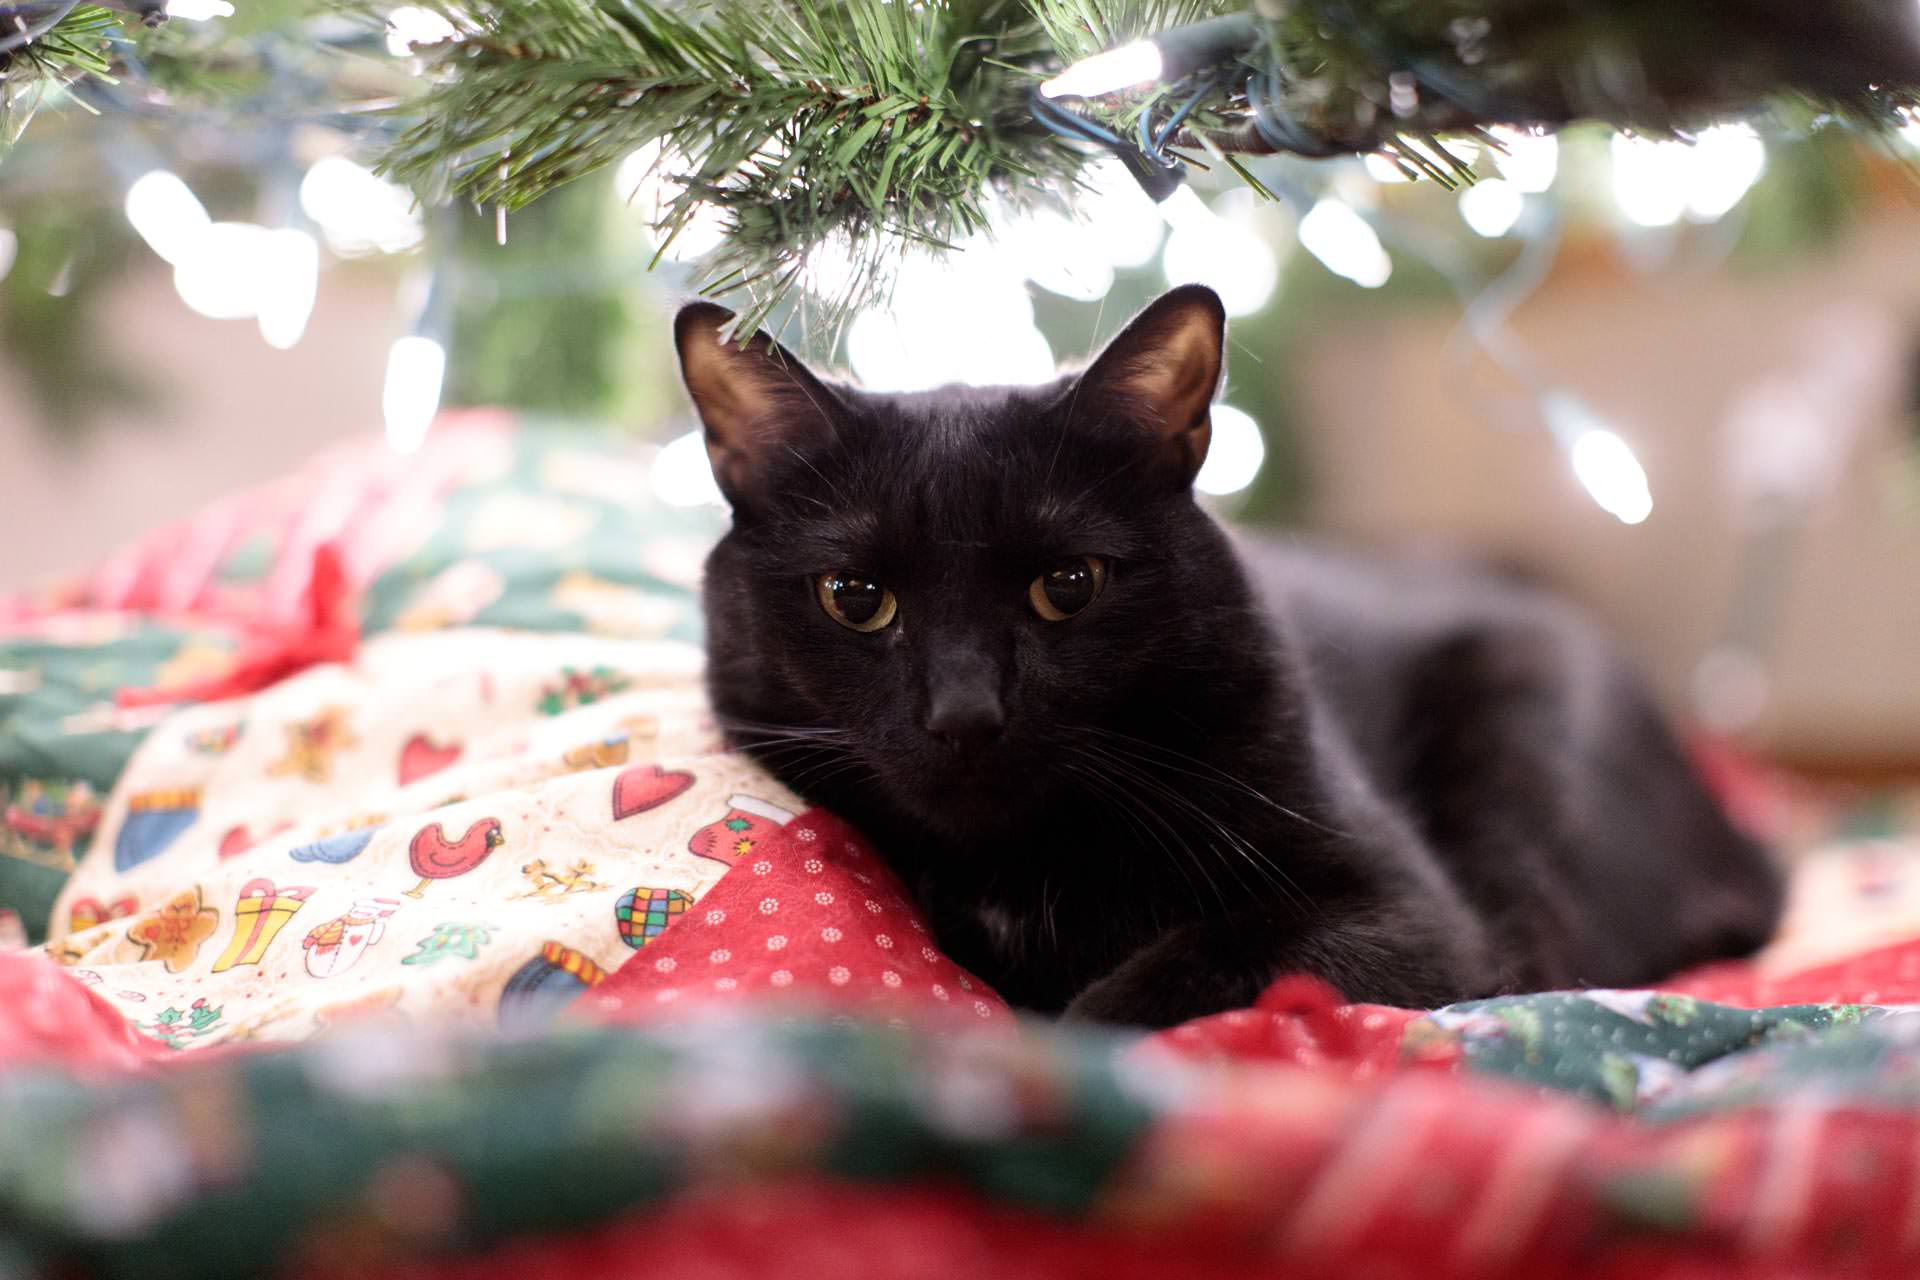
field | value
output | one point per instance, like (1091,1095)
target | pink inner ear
(1168,362)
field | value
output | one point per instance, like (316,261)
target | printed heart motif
(645,787)
(238,839)
(422,757)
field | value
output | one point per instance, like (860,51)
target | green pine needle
(854,127)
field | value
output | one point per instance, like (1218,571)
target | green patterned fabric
(63,744)
(219,1165)
(567,536)
(585,512)
(1624,1048)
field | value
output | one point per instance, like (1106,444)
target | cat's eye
(1067,588)
(855,602)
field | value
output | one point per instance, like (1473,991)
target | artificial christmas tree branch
(878,125)
(851,129)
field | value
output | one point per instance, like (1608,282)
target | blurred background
(1679,380)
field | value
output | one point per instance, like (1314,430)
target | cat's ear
(754,398)
(1163,370)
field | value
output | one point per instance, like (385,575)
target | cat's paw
(1111,1003)
(1155,991)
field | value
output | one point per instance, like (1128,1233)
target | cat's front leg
(1371,955)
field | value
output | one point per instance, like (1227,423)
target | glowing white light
(289,280)
(359,212)
(1655,183)
(1649,180)
(166,213)
(883,359)
(1491,207)
(1602,461)
(682,475)
(642,181)
(1606,466)
(1531,161)
(1727,160)
(1056,254)
(416,367)
(1136,63)
(1345,244)
(199,10)
(1224,254)
(410,25)
(221,272)
(1381,169)
(1234,454)
(1121,219)
(9,250)
(831,268)
(979,293)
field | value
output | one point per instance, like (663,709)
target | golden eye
(856,603)
(1066,589)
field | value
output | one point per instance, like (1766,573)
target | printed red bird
(434,857)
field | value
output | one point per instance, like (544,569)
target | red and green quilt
(382,902)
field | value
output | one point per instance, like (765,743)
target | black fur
(1419,782)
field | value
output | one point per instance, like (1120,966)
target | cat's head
(952,601)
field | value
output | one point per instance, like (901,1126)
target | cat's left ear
(753,398)
(1163,371)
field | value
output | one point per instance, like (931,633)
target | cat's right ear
(753,398)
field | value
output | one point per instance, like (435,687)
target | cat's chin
(968,807)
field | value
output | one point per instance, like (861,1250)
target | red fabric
(1405,1226)
(47,1016)
(367,502)
(1885,975)
(1301,1021)
(327,632)
(811,915)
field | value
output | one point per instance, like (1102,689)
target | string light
(1383,170)
(166,214)
(1234,454)
(1602,461)
(1656,183)
(1171,55)
(358,211)
(199,10)
(1530,162)
(1109,72)
(1122,220)
(410,397)
(1055,253)
(1345,244)
(1227,257)
(289,283)
(982,293)
(1491,207)
(1727,161)
(220,273)
(410,25)
(641,181)
(682,475)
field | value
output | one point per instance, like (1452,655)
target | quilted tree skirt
(384,903)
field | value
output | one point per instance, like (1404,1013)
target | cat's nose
(966,718)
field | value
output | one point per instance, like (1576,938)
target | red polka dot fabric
(815,918)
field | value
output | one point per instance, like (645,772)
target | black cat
(1134,773)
